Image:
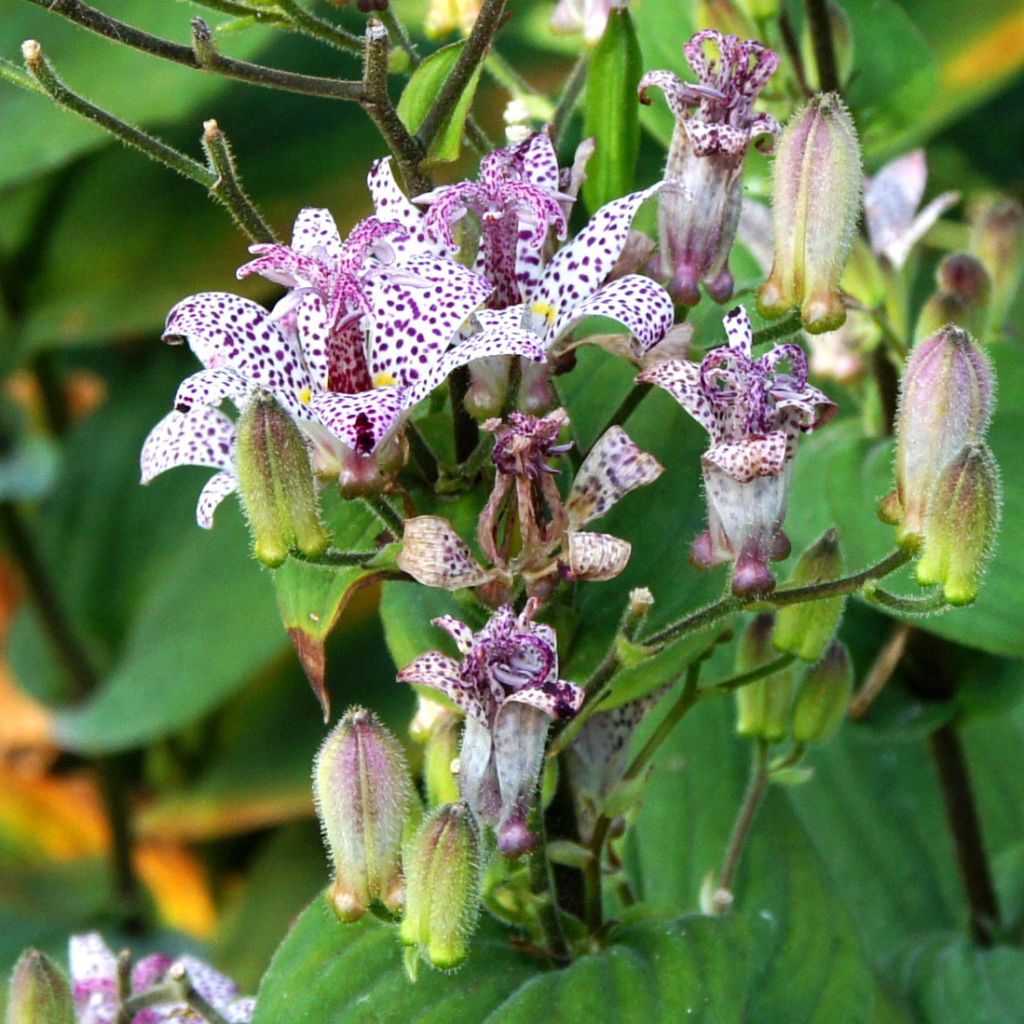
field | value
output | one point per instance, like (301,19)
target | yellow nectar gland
(384,380)
(546,310)
(306,396)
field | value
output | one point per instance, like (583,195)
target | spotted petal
(211,387)
(614,467)
(361,421)
(200,437)
(739,330)
(93,979)
(557,699)
(443,674)
(436,556)
(538,161)
(314,332)
(417,314)
(681,96)
(639,303)
(681,379)
(597,556)
(751,457)
(225,330)
(579,268)
(217,488)
(390,203)
(458,631)
(315,232)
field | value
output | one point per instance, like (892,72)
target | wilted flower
(891,201)
(507,684)
(754,414)
(715,126)
(815,206)
(94,986)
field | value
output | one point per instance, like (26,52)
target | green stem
(337,557)
(386,513)
(756,787)
(542,887)
(906,605)
(243,10)
(397,31)
(882,668)
(687,698)
(569,98)
(478,42)
(227,188)
(327,32)
(789,324)
(376,101)
(742,679)
(256,74)
(824,48)
(593,914)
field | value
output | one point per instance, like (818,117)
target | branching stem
(227,187)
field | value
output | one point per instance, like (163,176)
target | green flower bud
(39,993)
(963,297)
(275,478)
(443,885)
(806,629)
(823,696)
(440,752)
(961,526)
(763,707)
(997,239)
(816,202)
(945,403)
(362,794)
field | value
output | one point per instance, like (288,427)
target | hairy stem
(478,42)
(385,512)
(308,23)
(256,74)
(749,806)
(227,188)
(789,324)
(906,605)
(881,671)
(545,899)
(965,825)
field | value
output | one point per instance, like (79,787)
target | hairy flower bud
(961,526)
(823,696)
(816,201)
(763,707)
(440,755)
(805,629)
(38,993)
(362,794)
(443,885)
(997,239)
(945,403)
(276,480)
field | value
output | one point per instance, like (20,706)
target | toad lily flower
(507,684)
(94,986)
(754,414)
(715,126)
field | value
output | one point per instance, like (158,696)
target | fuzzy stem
(256,74)
(336,557)
(906,605)
(824,47)
(789,324)
(242,10)
(377,103)
(749,807)
(478,42)
(309,24)
(398,31)
(385,512)
(881,671)
(742,679)
(42,71)
(227,188)
(965,825)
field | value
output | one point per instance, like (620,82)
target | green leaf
(611,113)
(420,93)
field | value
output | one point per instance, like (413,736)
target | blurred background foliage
(202,715)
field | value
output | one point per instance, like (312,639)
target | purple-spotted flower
(348,353)
(715,126)
(507,684)
(754,413)
(95,990)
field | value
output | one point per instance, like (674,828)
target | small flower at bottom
(507,684)
(754,414)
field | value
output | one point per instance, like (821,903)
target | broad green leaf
(38,136)
(420,93)
(406,610)
(611,111)
(948,980)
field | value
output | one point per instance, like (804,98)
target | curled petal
(710,137)
(597,556)
(558,699)
(362,421)
(739,330)
(681,96)
(752,457)
(458,631)
(613,468)
(211,387)
(217,488)
(436,556)
(535,158)
(638,303)
(200,437)
(682,380)
(580,268)
(443,674)
(282,265)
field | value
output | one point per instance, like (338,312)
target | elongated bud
(440,754)
(945,403)
(362,795)
(816,201)
(763,707)
(276,480)
(823,696)
(997,239)
(38,993)
(443,886)
(488,389)
(806,629)
(963,297)
(961,526)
